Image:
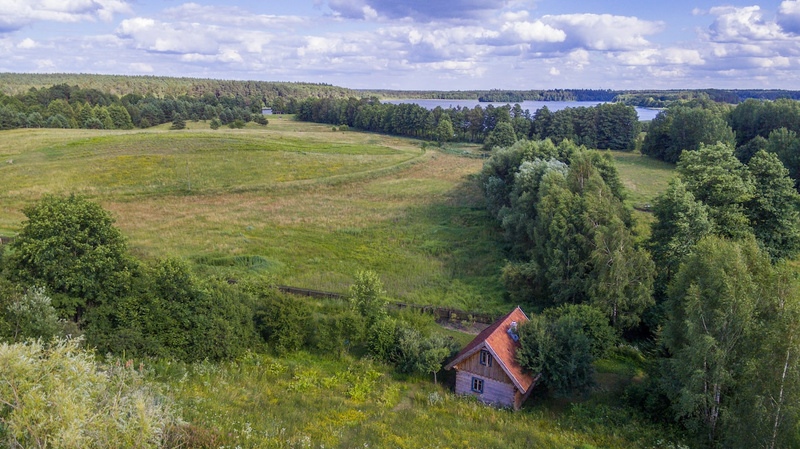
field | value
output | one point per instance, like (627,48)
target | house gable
(491,370)
(500,346)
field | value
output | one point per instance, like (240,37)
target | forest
(700,292)
(15,84)
(606,126)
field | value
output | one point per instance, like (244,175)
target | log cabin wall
(473,365)
(494,392)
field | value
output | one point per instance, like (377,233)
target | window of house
(486,358)
(477,385)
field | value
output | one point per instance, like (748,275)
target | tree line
(712,285)
(65,106)
(606,126)
(749,127)
(269,92)
(70,272)
(161,86)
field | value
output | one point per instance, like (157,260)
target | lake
(533,106)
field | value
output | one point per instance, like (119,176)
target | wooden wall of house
(494,392)
(473,365)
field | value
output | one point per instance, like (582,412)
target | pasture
(294,203)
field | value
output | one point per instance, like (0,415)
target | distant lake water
(533,106)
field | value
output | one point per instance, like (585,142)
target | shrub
(367,296)
(594,324)
(381,338)
(57,396)
(70,246)
(32,316)
(332,332)
(282,320)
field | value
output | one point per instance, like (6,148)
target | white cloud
(742,24)
(604,31)
(27,44)
(45,64)
(419,10)
(682,56)
(148,34)
(789,16)
(20,13)
(554,71)
(231,16)
(531,32)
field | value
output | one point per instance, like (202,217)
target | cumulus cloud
(156,36)
(16,14)
(742,24)
(27,44)
(604,31)
(789,16)
(230,16)
(660,57)
(523,31)
(420,10)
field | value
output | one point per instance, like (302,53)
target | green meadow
(294,203)
(300,204)
(307,401)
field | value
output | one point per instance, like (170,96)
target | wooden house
(487,367)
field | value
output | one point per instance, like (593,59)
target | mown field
(296,203)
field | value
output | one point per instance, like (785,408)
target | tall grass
(304,401)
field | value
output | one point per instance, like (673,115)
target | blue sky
(414,44)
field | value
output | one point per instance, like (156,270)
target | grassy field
(307,401)
(644,178)
(295,203)
(299,204)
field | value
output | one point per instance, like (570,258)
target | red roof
(497,339)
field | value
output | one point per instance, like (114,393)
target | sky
(415,44)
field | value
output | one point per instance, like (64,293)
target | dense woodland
(607,126)
(20,83)
(711,294)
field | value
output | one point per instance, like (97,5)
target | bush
(367,296)
(559,351)
(57,396)
(333,332)
(215,123)
(381,339)
(32,316)
(178,122)
(173,314)
(236,124)
(282,320)
(594,324)
(70,246)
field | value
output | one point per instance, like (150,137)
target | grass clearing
(303,401)
(644,178)
(295,203)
